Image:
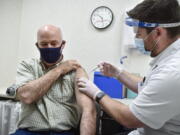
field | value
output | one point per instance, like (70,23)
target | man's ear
(37,44)
(63,44)
(159,31)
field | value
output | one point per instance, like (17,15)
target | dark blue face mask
(50,55)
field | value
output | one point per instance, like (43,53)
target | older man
(51,103)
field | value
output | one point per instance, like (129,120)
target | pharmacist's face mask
(140,45)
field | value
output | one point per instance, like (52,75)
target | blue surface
(109,85)
(26,132)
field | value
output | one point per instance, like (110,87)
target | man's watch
(99,96)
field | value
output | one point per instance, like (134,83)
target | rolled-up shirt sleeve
(24,73)
(159,100)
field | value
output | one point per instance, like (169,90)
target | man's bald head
(48,33)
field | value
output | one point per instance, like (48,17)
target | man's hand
(88,87)
(109,70)
(35,89)
(68,66)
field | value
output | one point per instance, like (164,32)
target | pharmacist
(156,109)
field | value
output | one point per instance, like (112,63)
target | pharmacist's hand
(108,69)
(88,87)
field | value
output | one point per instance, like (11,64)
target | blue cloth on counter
(26,132)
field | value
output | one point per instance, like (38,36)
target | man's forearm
(88,118)
(129,80)
(35,89)
(88,123)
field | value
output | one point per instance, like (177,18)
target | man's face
(50,44)
(49,39)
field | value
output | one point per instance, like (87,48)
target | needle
(96,67)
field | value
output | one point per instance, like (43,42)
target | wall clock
(101,17)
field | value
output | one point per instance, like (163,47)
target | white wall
(84,42)
(10,12)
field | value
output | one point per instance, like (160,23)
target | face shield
(136,24)
(139,42)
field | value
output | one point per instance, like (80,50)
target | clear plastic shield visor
(135,29)
(136,23)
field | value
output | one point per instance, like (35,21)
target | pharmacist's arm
(120,112)
(129,80)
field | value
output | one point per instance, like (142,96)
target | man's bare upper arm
(82,100)
(87,106)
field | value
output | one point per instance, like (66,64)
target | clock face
(101,17)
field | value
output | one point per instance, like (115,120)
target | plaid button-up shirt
(57,110)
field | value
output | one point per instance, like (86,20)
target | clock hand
(100,16)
